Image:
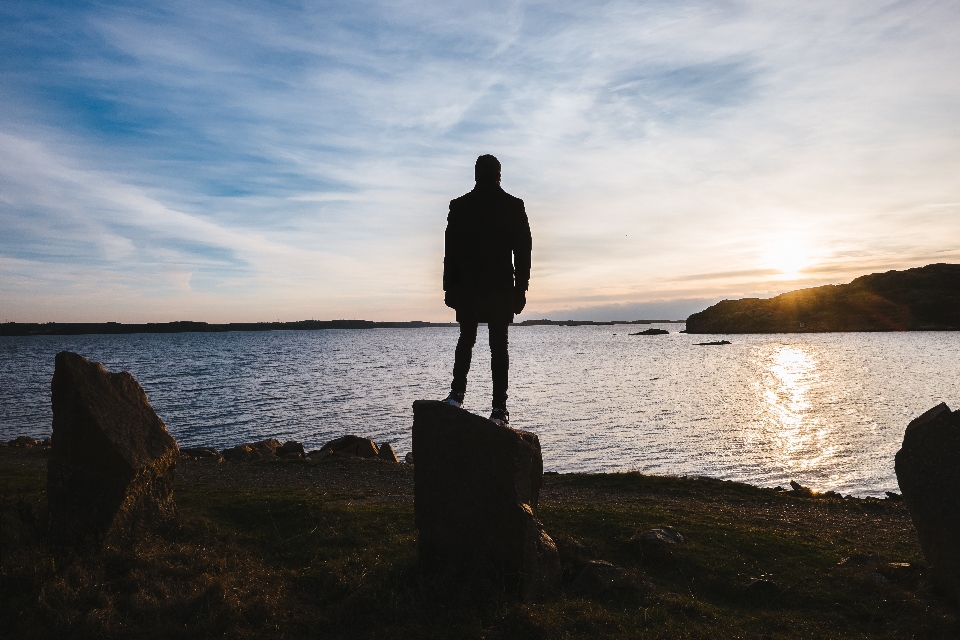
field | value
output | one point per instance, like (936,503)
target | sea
(826,410)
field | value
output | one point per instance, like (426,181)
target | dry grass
(288,550)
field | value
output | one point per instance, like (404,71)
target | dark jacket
(487,256)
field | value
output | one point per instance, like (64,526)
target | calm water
(828,410)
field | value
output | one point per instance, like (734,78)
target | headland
(921,299)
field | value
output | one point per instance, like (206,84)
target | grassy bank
(296,550)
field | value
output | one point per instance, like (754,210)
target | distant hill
(187,326)
(922,299)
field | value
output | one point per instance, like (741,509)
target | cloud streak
(235,161)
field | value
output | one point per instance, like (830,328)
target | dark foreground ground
(291,550)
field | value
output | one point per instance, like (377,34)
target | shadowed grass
(290,559)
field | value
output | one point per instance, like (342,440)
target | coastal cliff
(921,299)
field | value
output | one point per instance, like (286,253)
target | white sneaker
(455,399)
(500,417)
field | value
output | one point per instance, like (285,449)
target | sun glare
(787,256)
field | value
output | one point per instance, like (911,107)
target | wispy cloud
(243,160)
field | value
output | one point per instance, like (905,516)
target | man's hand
(519,300)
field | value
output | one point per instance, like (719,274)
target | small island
(921,299)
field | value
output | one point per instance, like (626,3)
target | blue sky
(260,161)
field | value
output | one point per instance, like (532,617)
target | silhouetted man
(486,271)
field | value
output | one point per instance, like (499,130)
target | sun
(789,256)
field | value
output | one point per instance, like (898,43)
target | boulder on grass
(929,478)
(110,473)
(24,441)
(352,446)
(476,490)
(387,453)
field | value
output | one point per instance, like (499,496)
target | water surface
(827,410)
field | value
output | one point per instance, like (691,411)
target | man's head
(487,169)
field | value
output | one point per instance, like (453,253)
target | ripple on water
(825,409)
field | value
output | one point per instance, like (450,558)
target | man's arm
(451,266)
(522,248)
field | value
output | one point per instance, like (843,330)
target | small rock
(897,571)
(893,496)
(352,446)
(662,537)
(267,449)
(24,441)
(800,490)
(650,332)
(3,443)
(270,444)
(46,442)
(878,578)
(320,454)
(201,453)
(763,589)
(596,577)
(239,452)
(408,458)
(291,447)
(387,453)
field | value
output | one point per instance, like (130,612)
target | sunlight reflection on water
(827,410)
(800,440)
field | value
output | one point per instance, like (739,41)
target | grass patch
(283,554)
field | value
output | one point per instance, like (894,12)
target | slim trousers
(499,359)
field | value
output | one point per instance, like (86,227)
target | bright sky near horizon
(246,161)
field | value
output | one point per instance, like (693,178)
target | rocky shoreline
(365,449)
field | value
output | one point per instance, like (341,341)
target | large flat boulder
(476,493)
(928,470)
(110,472)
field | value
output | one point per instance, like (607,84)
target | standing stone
(111,468)
(929,475)
(476,489)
